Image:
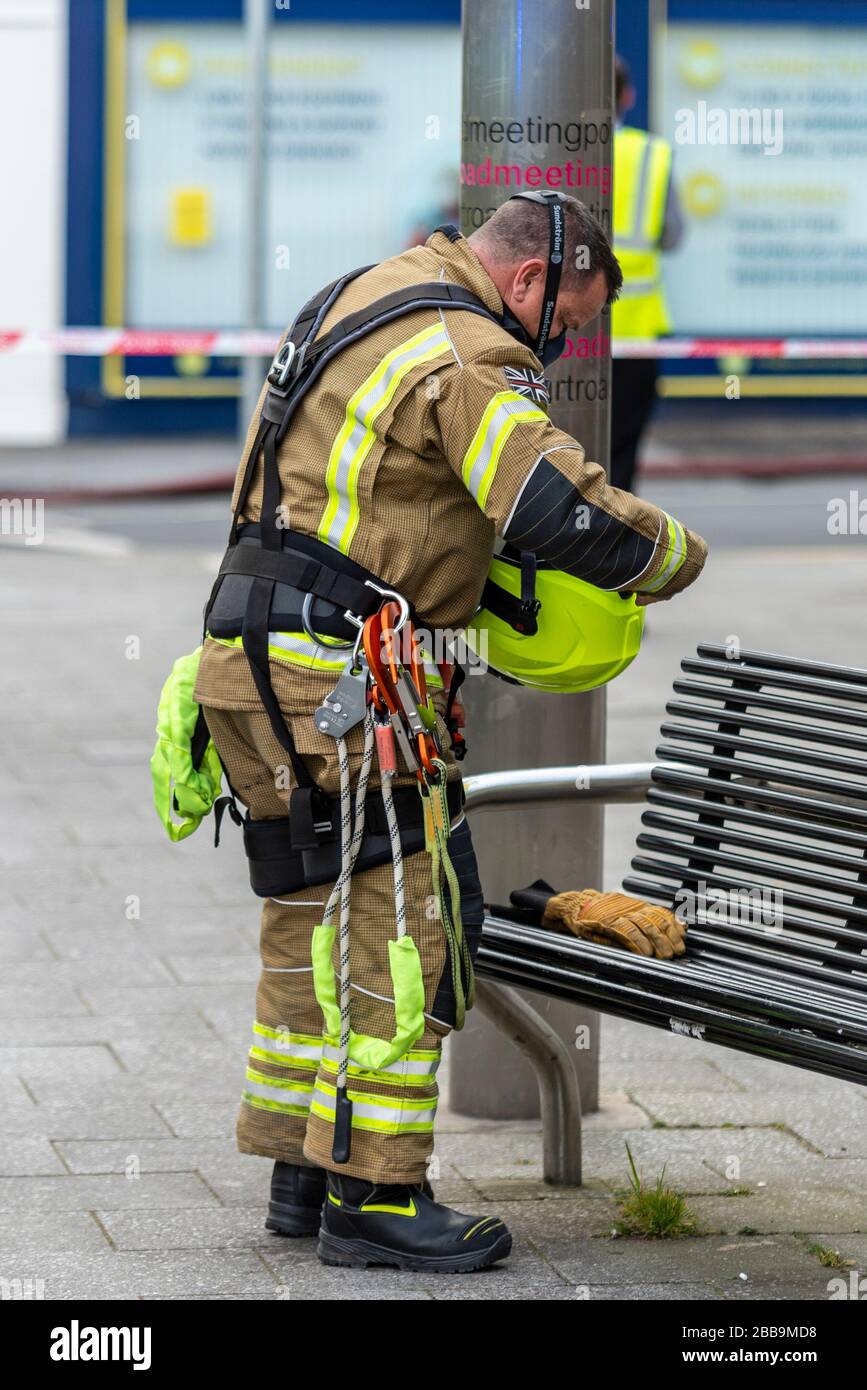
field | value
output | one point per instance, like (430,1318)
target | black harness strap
(305,325)
(272,492)
(254,638)
(247,477)
(519,613)
(301,572)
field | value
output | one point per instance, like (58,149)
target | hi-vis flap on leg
(186,771)
(407,982)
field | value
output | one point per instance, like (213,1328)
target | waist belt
(314,586)
(298,851)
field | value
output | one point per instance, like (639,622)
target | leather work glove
(608,919)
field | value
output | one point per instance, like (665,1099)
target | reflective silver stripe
(322,656)
(364,410)
(675,556)
(287,1045)
(298,1094)
(480,461)
(636,240)
(403,1067)
(300,645)
(385,1114)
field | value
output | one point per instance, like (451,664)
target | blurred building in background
(123,180)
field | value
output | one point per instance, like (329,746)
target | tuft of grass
(737,1192)
(831,1259)
(653,1213)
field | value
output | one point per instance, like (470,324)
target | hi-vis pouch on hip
(186,771)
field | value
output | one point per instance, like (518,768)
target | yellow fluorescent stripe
(314,663)
(416,1054)
(674,557)
(347,490)
(386,1102)
(481,443)
(380,1078)
(376,1126)
(479,1224)
(303,1039)
(275,1106)
(283,1059)
(281,1083)
(410,1209)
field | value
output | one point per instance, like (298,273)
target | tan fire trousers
(287,1109)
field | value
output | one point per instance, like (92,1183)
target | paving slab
(25,1238)
(213,1228)
(86,1193)
(154,1274)
(57,1063)
(786,1206)
(94,1123)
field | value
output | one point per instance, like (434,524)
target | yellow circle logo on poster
(700,63)
(169,64)
(703,194)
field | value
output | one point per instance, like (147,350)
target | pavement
(128,966)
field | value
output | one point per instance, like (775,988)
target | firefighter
(403,427)
(647,221)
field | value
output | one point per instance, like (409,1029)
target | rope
(396,852)
(350,843)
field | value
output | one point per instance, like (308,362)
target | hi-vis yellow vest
(642,168)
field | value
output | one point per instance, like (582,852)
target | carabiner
(399,599)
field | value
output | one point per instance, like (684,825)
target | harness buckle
(281,367)
(526,623)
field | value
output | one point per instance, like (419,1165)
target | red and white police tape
(156,342)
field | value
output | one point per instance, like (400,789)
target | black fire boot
(367,1224)
(297,1194)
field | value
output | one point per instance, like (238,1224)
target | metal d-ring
(306,623)
(307,619)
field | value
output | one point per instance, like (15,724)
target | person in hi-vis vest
(647,221)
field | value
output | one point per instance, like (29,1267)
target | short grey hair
(518,230)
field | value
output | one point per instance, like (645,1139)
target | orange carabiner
(426,742)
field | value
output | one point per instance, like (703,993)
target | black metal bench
(756,823)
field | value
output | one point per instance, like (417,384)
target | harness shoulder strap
(304,327)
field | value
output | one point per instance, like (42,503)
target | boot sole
(286,1220)
(361,1254)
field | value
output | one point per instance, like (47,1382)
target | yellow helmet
(548,630)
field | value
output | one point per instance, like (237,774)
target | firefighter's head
(521,244)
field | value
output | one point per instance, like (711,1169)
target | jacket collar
(461,264)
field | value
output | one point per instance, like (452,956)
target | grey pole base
(555,1079)
(490,1076)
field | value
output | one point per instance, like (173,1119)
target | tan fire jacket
(417,447)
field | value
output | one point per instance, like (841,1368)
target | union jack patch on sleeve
(529,383)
